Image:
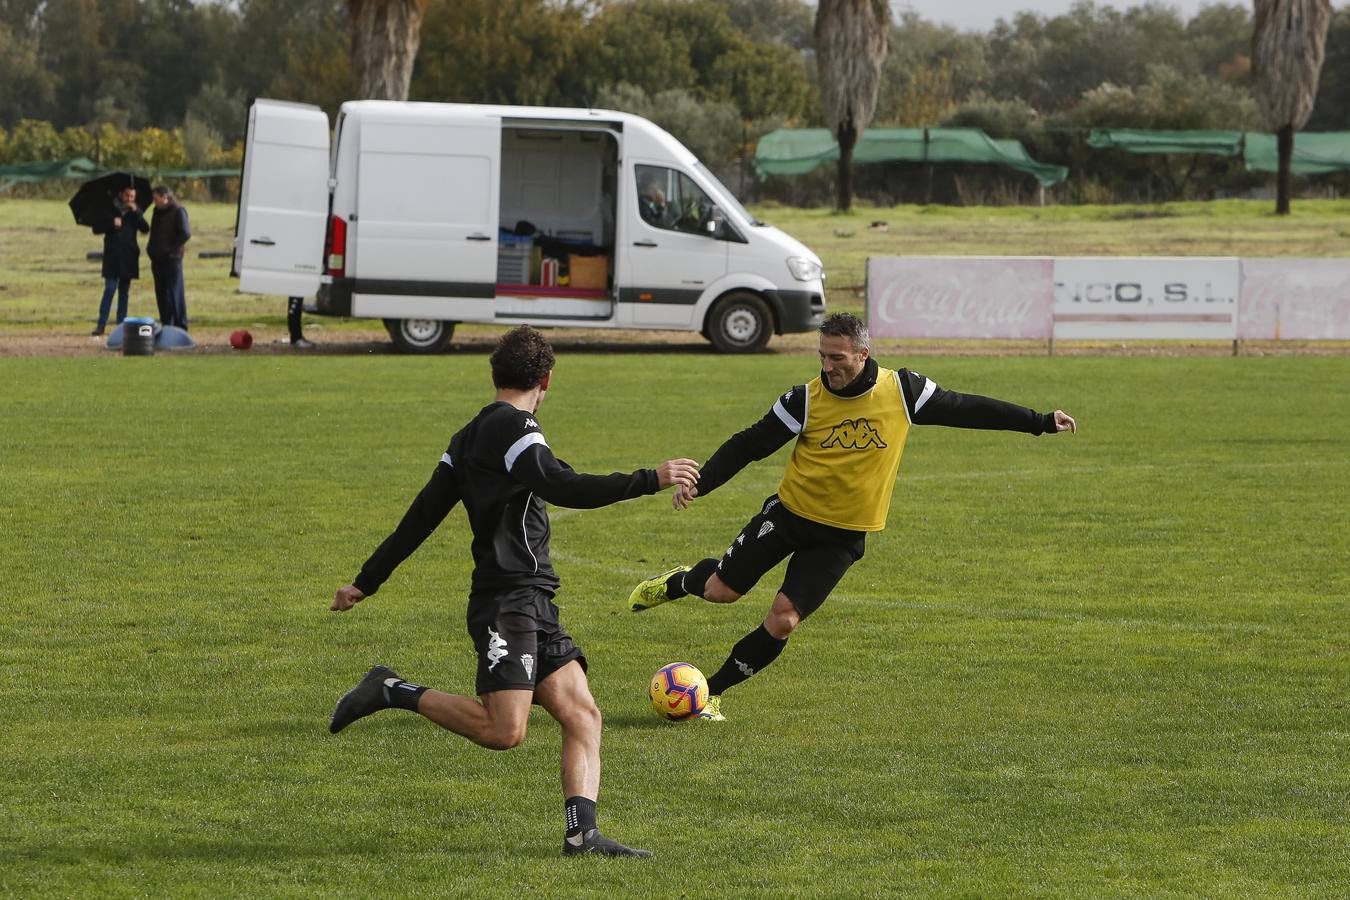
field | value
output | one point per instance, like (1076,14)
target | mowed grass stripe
(1112,664)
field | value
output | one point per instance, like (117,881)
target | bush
(147,151)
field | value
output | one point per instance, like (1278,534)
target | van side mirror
(715,222)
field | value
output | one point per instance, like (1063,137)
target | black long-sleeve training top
(926,403)
(501,468)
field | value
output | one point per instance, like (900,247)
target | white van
(428,214)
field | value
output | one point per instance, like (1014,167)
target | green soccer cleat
(712,710)
(652,592)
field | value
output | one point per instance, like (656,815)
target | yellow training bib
(842,470)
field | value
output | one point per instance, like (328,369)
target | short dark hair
(521,359)
(162,191)
(842,324)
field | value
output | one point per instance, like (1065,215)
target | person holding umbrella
(121,256)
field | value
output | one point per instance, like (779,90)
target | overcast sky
(980,15)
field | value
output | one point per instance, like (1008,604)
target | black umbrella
(95,203)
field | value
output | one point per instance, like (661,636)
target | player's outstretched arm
(556,482)
(779,425)
(429,508)
(347,596)
(932,405)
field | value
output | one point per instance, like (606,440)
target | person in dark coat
(121,257)
(169,231)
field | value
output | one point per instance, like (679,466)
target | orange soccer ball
(678,691)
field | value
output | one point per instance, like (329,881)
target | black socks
(294,306)
(580,815)
(403,694)
(682,584)
(751,653)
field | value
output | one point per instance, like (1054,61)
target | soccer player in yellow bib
(850,425)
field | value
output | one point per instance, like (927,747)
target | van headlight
(804,269)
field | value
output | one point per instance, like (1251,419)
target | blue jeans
(123,288)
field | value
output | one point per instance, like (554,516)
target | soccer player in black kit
(501,468)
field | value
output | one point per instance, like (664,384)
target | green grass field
(1114,664)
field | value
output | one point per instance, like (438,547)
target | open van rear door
(283,200)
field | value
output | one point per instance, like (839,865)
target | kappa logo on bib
(854,434)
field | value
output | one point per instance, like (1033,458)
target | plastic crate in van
(513,257)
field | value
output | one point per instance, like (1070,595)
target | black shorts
(821,554)
(519,639)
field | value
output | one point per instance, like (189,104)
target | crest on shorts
(527,661)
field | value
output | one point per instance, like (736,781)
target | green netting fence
(796,151)
(81,169)
(1315,153)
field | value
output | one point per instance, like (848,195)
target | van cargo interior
(556,217)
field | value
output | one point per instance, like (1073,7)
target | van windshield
(728,198)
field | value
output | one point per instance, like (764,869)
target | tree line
(716,73)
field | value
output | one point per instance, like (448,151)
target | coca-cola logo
(960,296)
(931,302)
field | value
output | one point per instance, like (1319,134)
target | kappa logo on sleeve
(530,423)
(854,434)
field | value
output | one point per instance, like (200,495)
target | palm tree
(851,44)
(385,37)
(1289,42)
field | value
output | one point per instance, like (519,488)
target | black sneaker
(369,696)
(595,842)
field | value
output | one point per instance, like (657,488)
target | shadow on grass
(644,722)
(189,849)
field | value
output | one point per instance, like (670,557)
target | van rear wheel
(420,335)
(739,323)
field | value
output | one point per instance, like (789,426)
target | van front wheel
(420,335)
(739,323)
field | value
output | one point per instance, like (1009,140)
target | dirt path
(29,342)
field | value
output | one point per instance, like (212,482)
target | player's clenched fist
(347,596)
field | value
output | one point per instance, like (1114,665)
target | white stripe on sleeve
(521,446)
(928,387)
(786,417)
